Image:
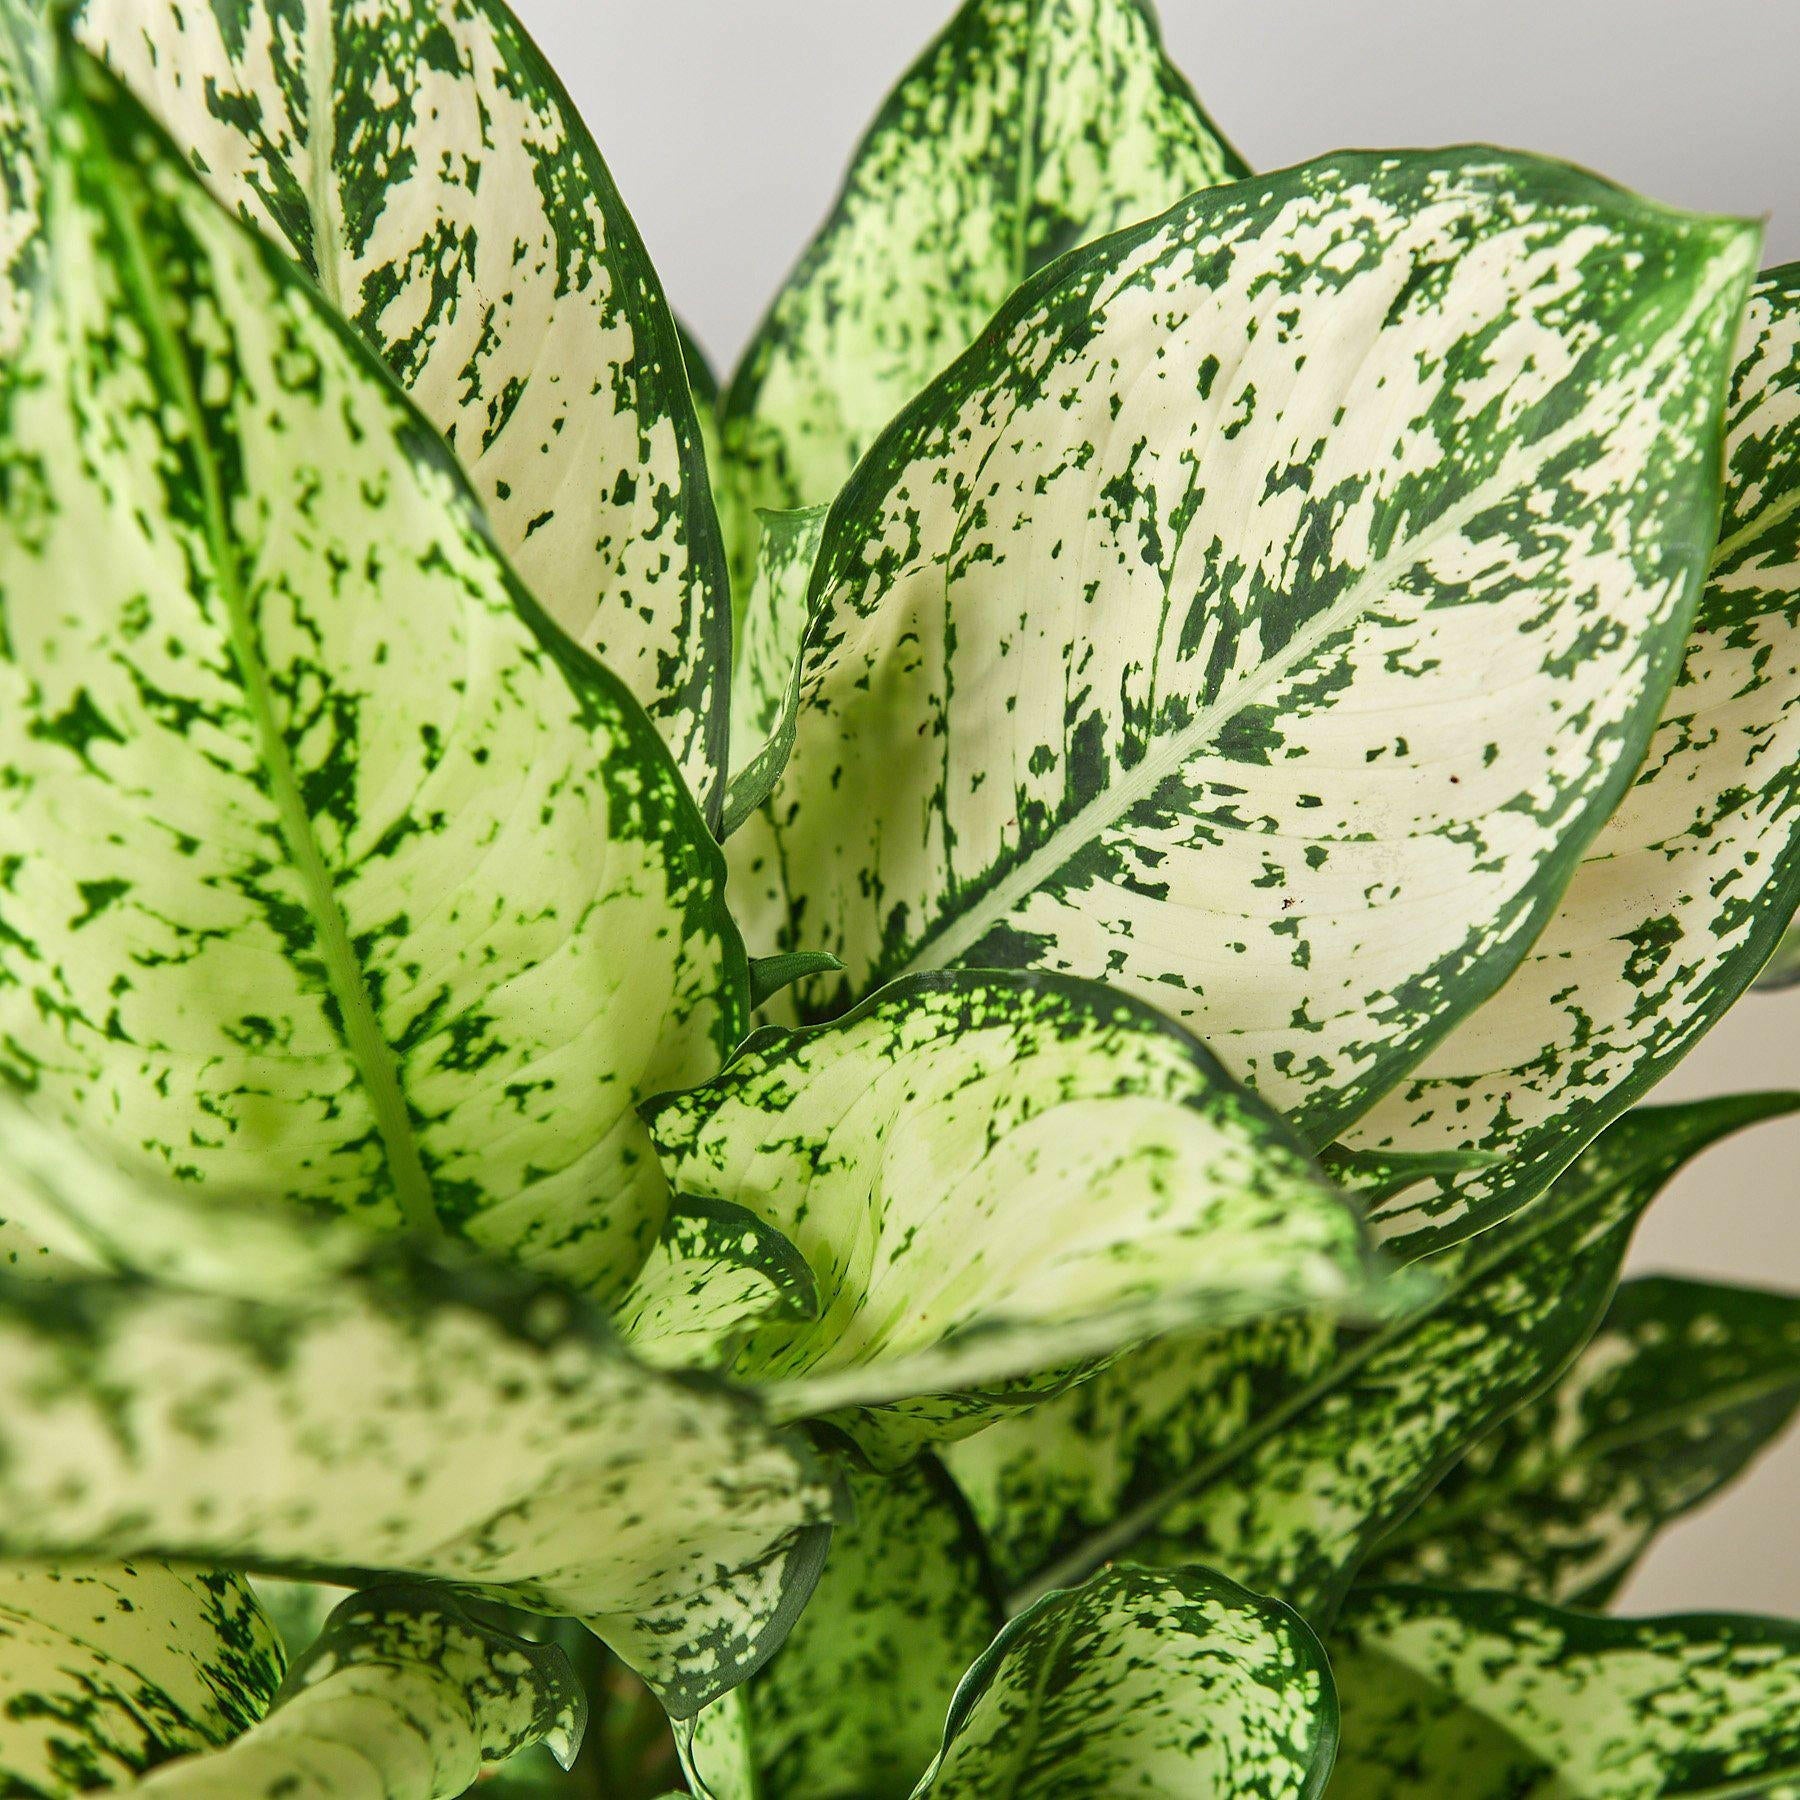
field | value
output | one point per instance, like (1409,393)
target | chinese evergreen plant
(1265,718)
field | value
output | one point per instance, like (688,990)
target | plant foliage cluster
(931,1067)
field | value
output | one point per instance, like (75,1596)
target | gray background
(727,124)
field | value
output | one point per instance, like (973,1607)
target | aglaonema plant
(917,1079)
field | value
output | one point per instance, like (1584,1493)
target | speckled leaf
(468,1427)
(333,869)
(718,1272)
(1489,1697)
(422,162)
(21,174)
(765,682)
(1157,1685)
(1683,895)
(1270,607)
(1295,1502)
(405,1696)
(1682,1385)
(1026,128)
(852,1706)
(107,1669)
(994,1177)
(1041,1482)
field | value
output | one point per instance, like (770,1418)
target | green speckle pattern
(466,1427)
(422,163)
(1040,1483)
(335,870)
(765,682)
(21,175)
(1143,1685)
(993,1178)
(854,1702)
(111,1668)
(1028,127)
(1493,1698)
(1295,1502)
(1266,612)
(717,1273)
(1686,890)
(404,1696)
(1683,1384)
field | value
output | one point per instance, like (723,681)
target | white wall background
(727,124)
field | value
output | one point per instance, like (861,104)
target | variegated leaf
(107,1669)
(333,869)
(421,161)
(717,1273)
(765,681)
(1026,128)
(405,1696)
(466,1427)
(1684,894)
(854,1701)
(1159,1684)
(1267,611)
(994,1177)
(1490,1697)
(21,174)
(1294,1503)
(1682,1385)
(1042,1482)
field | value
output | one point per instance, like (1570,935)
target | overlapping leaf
(1026,128)
(110,1669)
(1682,1385)
(1295,1501)
(765,680)
(1043,1482)
(420,160)
(1267,611)
(854,1702)
(1494,1698)
(1163,1684)
(331,866)
(1686,891)
(994,1177)
(465,1427)
(405,1696)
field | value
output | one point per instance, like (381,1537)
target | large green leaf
(1489,1697)
(1294,1502)
(419,159)
(993,1177)
(1026,128)
(1684,894)
(1042,1482)
(464,1426)
(1267,611)
(1682,1385)
(1157,1684)
(332,868)
(107,1669)
(405,1696)
(852,1706)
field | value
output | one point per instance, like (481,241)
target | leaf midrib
(369,1049)
(1483,1497)
(1097,1547)
(1121,797)
(321,144)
